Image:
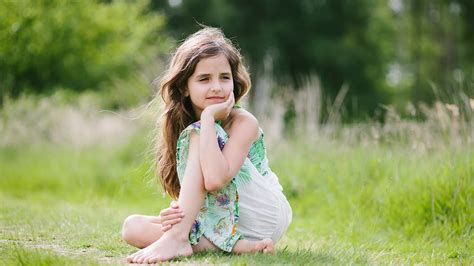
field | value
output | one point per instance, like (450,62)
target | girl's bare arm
(218,166)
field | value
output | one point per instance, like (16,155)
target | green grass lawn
(353,203)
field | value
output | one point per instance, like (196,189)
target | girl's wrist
(206,117)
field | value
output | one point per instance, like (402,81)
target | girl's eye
(226,77)
(203,79)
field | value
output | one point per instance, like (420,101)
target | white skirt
(264,209)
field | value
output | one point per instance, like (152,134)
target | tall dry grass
(447,122)
(58,120)
(80,120)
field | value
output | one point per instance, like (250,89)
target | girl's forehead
(214,63)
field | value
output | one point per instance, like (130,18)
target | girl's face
(211,83)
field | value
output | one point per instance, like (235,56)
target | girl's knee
(141,230)
(130,226)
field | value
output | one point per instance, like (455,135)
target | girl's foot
(247,246)
(265,246)
(166,248)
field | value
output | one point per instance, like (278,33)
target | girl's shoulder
(243,115)
(244,120)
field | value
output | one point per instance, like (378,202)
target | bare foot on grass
(166,248)
(266,246)
(246,246)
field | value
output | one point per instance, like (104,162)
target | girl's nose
(216,86)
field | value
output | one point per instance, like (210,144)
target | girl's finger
(174,211)
(165,228)
(174,205)
(232,100)
(172,222)
(175,221)
(171,217)
(169,211)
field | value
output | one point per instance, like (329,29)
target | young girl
(212,158)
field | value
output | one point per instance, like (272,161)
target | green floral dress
(219,216)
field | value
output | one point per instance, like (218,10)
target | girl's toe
(139,260)
(155,259)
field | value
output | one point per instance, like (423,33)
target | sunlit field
(369,193)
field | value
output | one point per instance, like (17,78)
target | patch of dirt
(89,252)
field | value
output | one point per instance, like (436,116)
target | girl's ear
(186,92)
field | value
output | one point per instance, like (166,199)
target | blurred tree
(343,41)
(77,45)
(467,14)
(439,45)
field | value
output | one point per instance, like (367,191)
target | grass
(356,200)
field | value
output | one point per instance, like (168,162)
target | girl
(212,158)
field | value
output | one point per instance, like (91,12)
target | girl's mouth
(216,99)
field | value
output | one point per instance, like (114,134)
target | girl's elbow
(213,185)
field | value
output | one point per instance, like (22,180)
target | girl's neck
(227,123)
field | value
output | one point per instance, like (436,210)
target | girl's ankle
(178,235)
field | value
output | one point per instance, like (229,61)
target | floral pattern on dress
(218,218)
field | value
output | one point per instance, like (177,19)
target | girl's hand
(170,216)
(220,111)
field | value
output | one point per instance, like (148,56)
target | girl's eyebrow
(207,75)
(202,75)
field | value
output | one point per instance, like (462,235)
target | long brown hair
(178,112)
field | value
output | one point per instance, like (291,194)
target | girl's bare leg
(141,230)
(240,247)
(174,242)
(203,245)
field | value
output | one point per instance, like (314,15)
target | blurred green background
(367,108)
(386,52)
